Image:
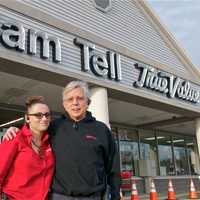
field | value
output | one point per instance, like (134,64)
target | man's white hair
(77,84)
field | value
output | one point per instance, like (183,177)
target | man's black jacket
(86,157)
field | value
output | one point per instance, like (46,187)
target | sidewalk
(164,197)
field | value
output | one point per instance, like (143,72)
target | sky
(182,19)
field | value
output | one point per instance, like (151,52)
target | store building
(143,84)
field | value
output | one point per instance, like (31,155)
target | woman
(27,162)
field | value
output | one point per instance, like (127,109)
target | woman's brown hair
(33,100)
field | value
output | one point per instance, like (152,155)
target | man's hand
(10,133)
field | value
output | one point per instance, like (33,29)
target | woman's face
(38,117)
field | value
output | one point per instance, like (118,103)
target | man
(85,151)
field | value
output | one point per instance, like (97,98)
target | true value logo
(166,83)
(14,36)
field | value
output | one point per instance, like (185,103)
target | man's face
(75,104)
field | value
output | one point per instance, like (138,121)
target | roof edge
(168,38)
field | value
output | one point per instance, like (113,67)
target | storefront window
(165,155)
(193,161)
(181,162)
(114,133)
(129,151)
(148,153)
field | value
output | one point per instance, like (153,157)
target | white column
(198,140)
(99,104)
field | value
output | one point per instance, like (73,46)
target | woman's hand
(10,133)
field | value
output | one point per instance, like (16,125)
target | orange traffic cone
(192,193)
(121,195)
(134,192)
(171,193)
(153,193)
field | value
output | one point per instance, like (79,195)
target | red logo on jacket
(90,137)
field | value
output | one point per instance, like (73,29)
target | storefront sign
(13,36)
(105,65)
(102,63)
(166,83)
